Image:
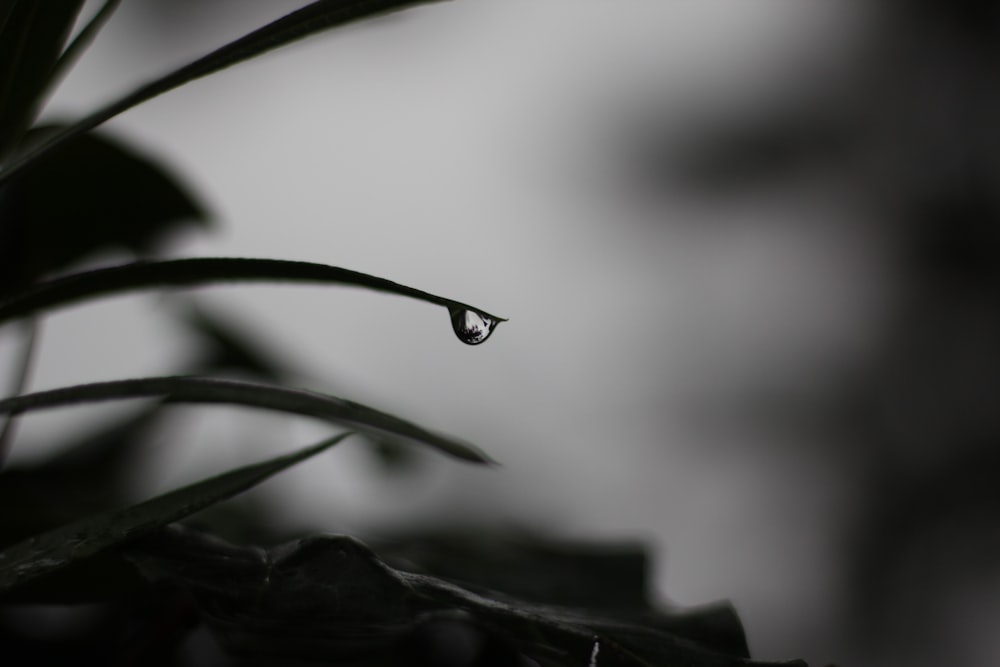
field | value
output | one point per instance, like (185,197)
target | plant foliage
(70,535)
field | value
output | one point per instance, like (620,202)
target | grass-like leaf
(32,35)
(306,21)
(200,271)
(184,389)
(82,40)
(56,549)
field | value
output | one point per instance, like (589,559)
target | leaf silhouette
(201,271)
(184,389)
(51,551)
(301,23)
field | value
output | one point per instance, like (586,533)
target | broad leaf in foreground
(329,599)
(184,389)
(59,548)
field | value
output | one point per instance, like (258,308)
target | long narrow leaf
(81,41)
(183,389)
(306,21)
(56,549)
(33,37)
(200,271)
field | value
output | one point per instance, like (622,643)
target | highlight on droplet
(472,327)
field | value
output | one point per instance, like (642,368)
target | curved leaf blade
(301,23)
(41,555)
(200,271)
(184,389)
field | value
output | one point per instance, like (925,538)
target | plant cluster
(146,584)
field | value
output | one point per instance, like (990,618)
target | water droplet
(472,328)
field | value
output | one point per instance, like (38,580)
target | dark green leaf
(330,600)
(91,194)
(182,389)
(56,549)
(538,570)
(200,271)
(308,20)
(32,35)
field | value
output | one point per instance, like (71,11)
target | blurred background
(748,253)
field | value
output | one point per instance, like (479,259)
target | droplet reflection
(472,328)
